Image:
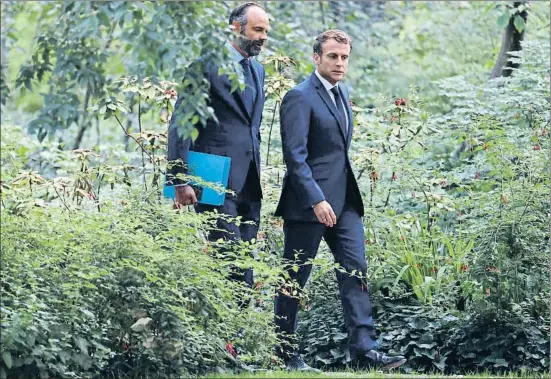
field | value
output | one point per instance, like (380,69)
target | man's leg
(301,239)
(248,207)
(246,203)
(226,230)
(346,241)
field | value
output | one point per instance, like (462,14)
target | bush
(132,291)
(482,338)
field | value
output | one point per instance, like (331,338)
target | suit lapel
(330,104)
(223,86)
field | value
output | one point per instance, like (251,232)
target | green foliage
(102,279)
(128,292)
(4,88)
(71,52)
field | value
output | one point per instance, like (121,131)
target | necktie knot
(335,91)
(245,62)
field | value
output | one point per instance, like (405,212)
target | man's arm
(295,125)
(178,147)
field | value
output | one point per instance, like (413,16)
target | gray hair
(239,14)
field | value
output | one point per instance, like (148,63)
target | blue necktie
(249,93)
(340,106)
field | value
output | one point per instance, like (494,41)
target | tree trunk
(511,41)
(84,121)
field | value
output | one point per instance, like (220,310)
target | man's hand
(185,195)
(325,213)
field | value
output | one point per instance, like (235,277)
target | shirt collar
(235,55)
(325,83)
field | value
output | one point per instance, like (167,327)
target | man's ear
(316,58)
(236,26)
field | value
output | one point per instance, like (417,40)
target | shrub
(132,291)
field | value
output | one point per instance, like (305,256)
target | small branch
(127,134)
(100,179)
(60,198)
(84,122)
(387,198)
(361,173)
(270,134)
(140,130)
(427,200)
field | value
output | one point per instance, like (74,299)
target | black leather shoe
(381,360)
(296,363)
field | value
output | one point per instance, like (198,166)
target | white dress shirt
(328,87)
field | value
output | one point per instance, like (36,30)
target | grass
(373,374)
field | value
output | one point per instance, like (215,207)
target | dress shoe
(296,363)
(380,360)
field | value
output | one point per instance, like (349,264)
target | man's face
(333,62)
(251,39)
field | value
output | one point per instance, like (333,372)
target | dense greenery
(102,278)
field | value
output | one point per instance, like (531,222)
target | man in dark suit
(234,133)
(320,199)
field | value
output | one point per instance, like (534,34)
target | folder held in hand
(210,168)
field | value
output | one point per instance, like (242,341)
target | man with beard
(234,133)
(320,198)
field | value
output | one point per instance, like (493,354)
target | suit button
(250,151)
(346,171)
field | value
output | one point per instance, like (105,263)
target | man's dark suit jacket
(316,152)
(236,134)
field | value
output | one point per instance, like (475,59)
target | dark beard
(250,47)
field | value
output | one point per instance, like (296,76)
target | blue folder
(210,168)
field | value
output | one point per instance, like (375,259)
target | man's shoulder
(200,63)
(300,93)
(303,88)
(257,64)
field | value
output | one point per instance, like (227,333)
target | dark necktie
(249,93)
(340,106)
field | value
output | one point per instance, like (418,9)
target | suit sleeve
(295,126)
(178,146)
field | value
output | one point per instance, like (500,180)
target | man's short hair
(336,34)
(239,13)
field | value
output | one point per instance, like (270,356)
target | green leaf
(141,324)
(7,359)
(503,20)
(519,23)
(441,365)
(339,336)
(194,134)
(87,313)
(82,344)
(104,19)
(337,353)
(500,362)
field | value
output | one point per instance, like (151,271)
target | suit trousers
(246,204)
(347,243)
